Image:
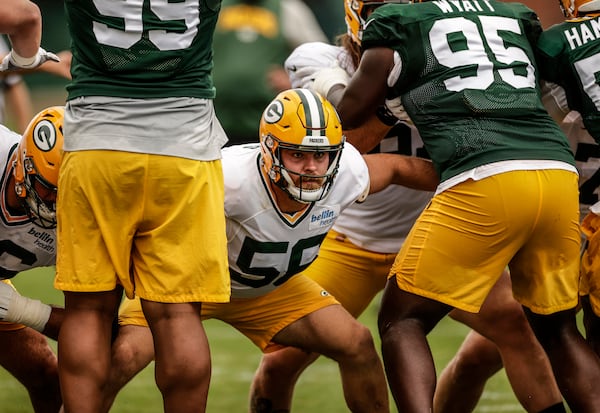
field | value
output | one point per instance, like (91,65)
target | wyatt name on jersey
(451,6)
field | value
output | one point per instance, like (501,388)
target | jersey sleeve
(353,174)
(547,51)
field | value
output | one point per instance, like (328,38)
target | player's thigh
(97,214)
(351,274)
(499,308)
(589,284)
(184,218)
(262,318)
(545,270)
(329,330)
(459,246)
(26,354)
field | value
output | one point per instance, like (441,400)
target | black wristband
(386,116)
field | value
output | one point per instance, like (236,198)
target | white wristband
(23,62)
(32,313)
(327,78)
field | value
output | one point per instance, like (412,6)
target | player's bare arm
(367,88)
(409,171)
(21,20)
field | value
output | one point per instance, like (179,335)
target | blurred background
(47,90)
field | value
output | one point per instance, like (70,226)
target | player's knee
(475,364)
(126,362)
(555,330)
(181,373)
(361,347)
(506,325)
(392,328)
(276,367)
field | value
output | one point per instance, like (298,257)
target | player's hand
(307,59)
(302,77)
(13,62)
(397,109)
(325,79)
(6,293)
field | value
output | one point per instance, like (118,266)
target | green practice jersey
(142,48)
(469,82)
(569,55)
(248,43)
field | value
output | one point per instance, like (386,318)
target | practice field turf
(234,362)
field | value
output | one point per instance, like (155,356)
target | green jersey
(467,78)
(248,43)
(569,55)
(142,48)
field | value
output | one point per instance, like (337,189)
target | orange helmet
(357,12)
(38,159)
(578,8)
(300,120)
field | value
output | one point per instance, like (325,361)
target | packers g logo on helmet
(300,120)
(37,159)
(579,8)
(274,112)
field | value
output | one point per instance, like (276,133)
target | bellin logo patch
(324,218)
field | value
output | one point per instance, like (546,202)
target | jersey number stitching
(131,13)
(267,275)
(477,54)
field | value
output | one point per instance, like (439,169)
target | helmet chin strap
(305,196)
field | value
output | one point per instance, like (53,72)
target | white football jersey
(265,246)
(587,158)
(23,245)
(382,222)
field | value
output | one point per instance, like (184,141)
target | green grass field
(234,362)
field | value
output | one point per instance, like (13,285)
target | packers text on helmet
(300,120)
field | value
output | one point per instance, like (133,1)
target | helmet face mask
(579,8)
(567,7)
(35,168)
(299,120)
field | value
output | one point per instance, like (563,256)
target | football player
(28,192)
(281,199)
(357,254)
(465,73)
(569,56)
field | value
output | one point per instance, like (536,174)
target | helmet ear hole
(299,120)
